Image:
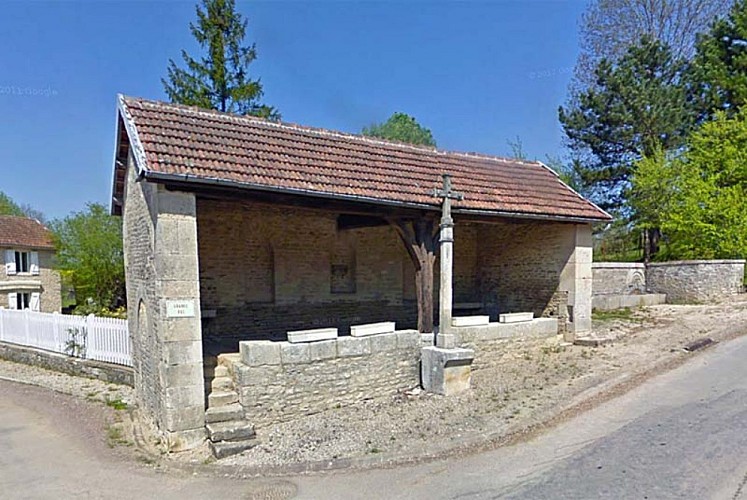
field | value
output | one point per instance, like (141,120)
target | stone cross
(444,339)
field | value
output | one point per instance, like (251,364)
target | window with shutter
(35,302)
(12,300)
(34,263)
(10,262)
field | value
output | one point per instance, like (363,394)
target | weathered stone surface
(696,281)
(184,440)
(407,339)
(383,342)
(612,302)
(323,350)
(312,335)
(229,431)
(519,317)
(353,346)
(446,371)
(470,320)
(222,398)
(221,384)
(223,449)
(294,353)
(540,327)
(260,352)
(184,418)
(372,329)
(226,413)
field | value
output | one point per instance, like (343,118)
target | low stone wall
(696,280)
(618,278)
(281,381)
(612,302)
(105,372)
(491,341)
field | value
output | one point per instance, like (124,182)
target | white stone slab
(372,329)
(515,317)
(470,320)
(312,335)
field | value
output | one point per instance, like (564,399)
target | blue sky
(476,73)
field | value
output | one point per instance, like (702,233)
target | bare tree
(609,27)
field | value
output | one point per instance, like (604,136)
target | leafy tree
(401,127)
(89,248)
(638,104)
(719,69)
(220,79)
(9,207)
(609,27)
(700,195)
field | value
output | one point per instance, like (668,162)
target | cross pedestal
(446,369)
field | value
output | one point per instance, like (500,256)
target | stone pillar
(576,279)
(445,338)
(177,284)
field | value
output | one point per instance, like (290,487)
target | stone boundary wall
(618,278)
(281,381)
(491,342)
(696,280)
(105,372)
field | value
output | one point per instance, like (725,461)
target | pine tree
(220,79)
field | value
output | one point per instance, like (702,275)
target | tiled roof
(23,232)
(208,146)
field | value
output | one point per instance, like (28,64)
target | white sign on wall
(180,308)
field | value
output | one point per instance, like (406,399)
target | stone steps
(228,431)
(226,413)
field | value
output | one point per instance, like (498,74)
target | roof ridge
(326,132)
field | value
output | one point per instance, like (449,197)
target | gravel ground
(530,383)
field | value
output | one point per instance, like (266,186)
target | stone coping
(272,353)
(618,265)
(538,327)
(696,262)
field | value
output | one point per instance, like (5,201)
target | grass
(115,436)
(624,314)
(117,404)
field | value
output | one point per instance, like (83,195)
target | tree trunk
(651,239)
(420,242)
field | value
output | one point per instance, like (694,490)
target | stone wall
(266,269)
(47,282)
(280,381)
(161,267)
(105,372)
(618,278)
(696,281)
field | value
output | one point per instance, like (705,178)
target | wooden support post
(419,237)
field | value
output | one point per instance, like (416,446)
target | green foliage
(637,104)
(719,70)
(220,79)
(401,127)
(89,247)
(700,203)
(9,207)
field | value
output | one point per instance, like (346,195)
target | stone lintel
(446,371)
(519,317)
(312,335)
(372,329)
(470,320)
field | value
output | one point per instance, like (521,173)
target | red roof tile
(208,146)
(23,232)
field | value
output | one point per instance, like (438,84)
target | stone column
(445,338)
(576,279)
(177,283)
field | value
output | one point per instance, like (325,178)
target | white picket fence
(90,337)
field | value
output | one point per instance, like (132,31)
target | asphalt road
(680,435)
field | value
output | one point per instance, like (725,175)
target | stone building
(237,228)
(28,280)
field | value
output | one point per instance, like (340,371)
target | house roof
(23,232)
(179,143)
